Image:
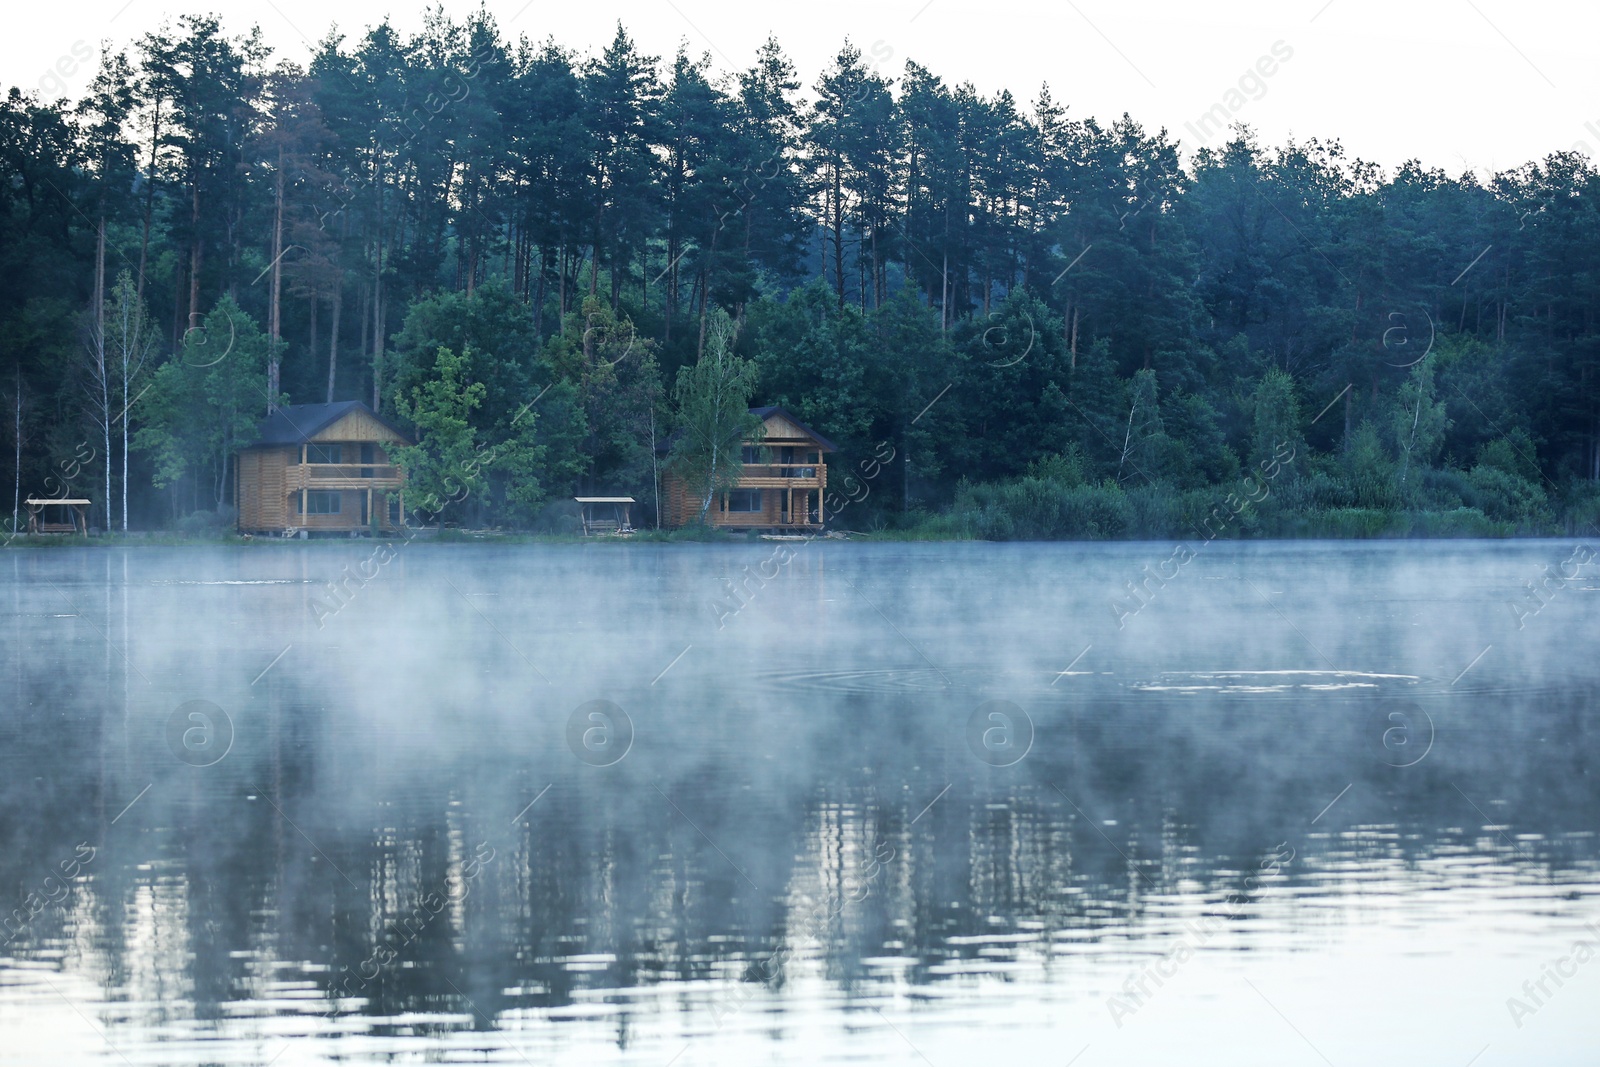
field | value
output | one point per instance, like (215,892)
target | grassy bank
(1045,507)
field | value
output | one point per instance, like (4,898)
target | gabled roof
(664,444)
(296,424)
(766,412)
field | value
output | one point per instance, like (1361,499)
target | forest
(534,260)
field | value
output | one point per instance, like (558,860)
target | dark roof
(827,445)
(298,423)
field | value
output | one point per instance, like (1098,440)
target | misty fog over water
(802,803)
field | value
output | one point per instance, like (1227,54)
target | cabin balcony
(784,476)
(342,476)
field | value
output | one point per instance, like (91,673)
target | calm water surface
(908,804)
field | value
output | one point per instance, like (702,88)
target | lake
(800,803)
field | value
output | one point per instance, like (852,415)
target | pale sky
(1480,84)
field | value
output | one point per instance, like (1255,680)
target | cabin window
(369,453)
(751,454)
(321,502)
(744,500)
(322,454)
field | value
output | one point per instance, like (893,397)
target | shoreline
(46,542)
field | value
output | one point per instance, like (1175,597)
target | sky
(1476,85)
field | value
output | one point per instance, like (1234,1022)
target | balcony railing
(783,471)
(346,475)
(783,477)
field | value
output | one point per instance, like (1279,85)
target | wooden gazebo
(76,515)
(605,514)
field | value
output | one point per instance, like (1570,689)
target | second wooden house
(782,481)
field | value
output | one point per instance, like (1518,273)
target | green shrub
(1154,512)
(1040,509)
(1581,512)
(1508,497)
(1458,522)
(1448,489)
(1514,453)
(1352,522)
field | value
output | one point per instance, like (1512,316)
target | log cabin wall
(261,488)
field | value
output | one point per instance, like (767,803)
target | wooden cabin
(781,485)
(322,468)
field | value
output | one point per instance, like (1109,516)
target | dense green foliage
(1056,328)
(714,417)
